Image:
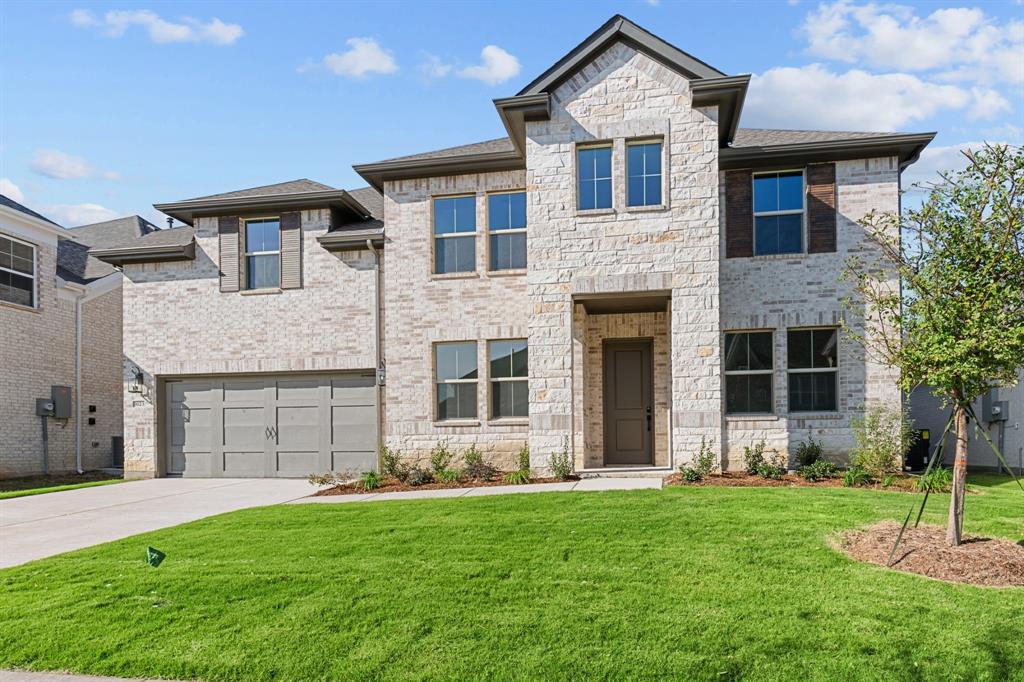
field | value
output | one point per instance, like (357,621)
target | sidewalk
(587,484)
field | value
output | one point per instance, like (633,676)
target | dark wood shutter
(291,250)
(229,238)
(739,214)
(821,208)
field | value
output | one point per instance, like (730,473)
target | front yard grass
(53,483)
(684,583)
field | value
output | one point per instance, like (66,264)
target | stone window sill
(647,209)
(594,212)
(815,415)
(26,308)
(259,292)
(440,277)
(456,422)
(509,421)
(767,417)
(507,273)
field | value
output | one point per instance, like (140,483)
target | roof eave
(187,211)
(907,147)
(729,94)
(146,254)
(376,174)
(46,226)
(516,111)
(351,241)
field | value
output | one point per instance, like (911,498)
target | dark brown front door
(628,401)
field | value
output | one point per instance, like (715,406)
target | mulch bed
(391,485)
(924,550)
(740,479)
(51,480)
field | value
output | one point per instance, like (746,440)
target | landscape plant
(561,462)
(753,457)
(943,301)
(856,476)
(883,436)
(440,457)
(475,467)
(370,480)
(818,470)
(705,462)
(392,464)
(808,452)
(418,476)
(936,481)
(521,474)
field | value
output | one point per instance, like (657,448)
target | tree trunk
(955,525)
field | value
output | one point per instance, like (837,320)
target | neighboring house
(1000,413)
(626,274)
(60,326)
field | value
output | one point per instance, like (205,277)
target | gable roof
(289,187)
(113,233)
(75,259)
(11,203)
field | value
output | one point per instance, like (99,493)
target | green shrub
(561,462)
(392,464)
(370,480)
(855,476)
(475,466)
(774,472)
(706,460)
(523,458)
(753,457)
(449,475)
(690,474)
(440,457)
(418,476)
(818,470)
(518,477)
(883,436)
(890,480)
(938,480)
(808,452)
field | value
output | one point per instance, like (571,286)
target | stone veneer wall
(780,292)
(424,309)
(187,326)
(621,95)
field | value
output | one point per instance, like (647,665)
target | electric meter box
(61,397)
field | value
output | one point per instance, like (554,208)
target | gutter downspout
(378,379)
(78,381)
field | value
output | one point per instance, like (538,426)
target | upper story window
(643,171)
(455,377)
(509,385)
(778,213)
(262,253)
(594,170)
(455,234)
(813,369)
(748,373)
(17,272)
(506,222)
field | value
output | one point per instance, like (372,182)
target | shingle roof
(371,199)
(290,187)
(501,144)
(763,137)
(111,234)
(74,262)
(11,203)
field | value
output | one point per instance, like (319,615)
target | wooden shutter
(291,250)
(821,208)
(739,214)
(229,237)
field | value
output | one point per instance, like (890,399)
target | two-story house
(625,274)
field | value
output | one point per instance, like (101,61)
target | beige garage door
(270,426)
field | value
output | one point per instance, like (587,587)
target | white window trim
(610,146)
(747,372)
(491,379)
(452,235)
(438,381)
(645,174)
(33,277)
(248,253)
(492,233)
(813,370)
(768,214)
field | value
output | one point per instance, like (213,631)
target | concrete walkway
(586,484)
(43,525)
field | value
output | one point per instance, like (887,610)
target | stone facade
(181,324)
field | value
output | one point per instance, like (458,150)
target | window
(594,167)
(262,253)
(748,373)
(17,272)
(778,213)
(455,234)
(813,370)
(455,369)
(509,386)
(506,220)
(643,168)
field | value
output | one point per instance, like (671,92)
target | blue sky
(107,108)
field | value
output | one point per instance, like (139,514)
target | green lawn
(684,583)
(9,494)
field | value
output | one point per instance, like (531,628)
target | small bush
(883,436)
(440,457)
(518,477)
(753,457)
(855,476)
(523,458)
(890,480)
(770,471)
(691,474)
(417,476)
(476,468)
(370,480)
(706,460)
(322,479)
(938,480)
(808,452)
(561,462)
(449,475)
(392,464)
(818,470)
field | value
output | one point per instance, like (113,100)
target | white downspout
(78,381)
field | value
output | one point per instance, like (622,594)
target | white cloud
(60,166)
(9,189)
(433,67)
(364,56)
(964,43)
(72,215)
(653,3)
(116,23)
(496,66)
(814,97)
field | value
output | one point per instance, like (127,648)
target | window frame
(438,382)
(435,236)
(490,233)
(34,276)
(661,174)
(768,214)
(491,380)
(610,146)
(748,372)
(812,370)
(244,286)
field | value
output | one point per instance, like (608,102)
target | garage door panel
(244,391)
(356,461)
(245,464)
(192,393)
(348,427)
(297,463)
(299,389)
(298,427)
(196,464)
(353,390)
(191,428)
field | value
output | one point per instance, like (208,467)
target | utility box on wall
(61,397)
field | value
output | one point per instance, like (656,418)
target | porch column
(551,372)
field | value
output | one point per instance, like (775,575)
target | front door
(628,402)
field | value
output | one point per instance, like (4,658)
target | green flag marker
(154,557)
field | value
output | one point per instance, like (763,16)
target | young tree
(957,322)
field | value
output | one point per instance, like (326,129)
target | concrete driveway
(43,525)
